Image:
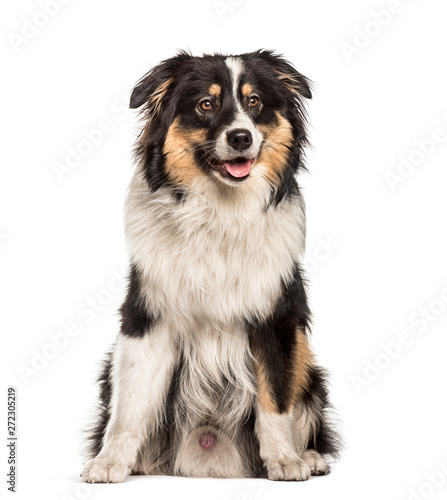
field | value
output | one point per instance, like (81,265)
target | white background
(61,240)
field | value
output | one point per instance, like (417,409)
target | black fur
(327,440)
(185,79)
(154,171)
(275,338)
(274,341)
(190,77)
(135,319)
(95,435)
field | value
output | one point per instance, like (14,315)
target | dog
(212,373)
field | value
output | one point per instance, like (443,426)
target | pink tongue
(238,169)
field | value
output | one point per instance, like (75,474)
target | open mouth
(237,169)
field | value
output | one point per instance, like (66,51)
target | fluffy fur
(214,331)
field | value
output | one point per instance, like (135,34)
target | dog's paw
(103,470)
(288,469)
(318,465)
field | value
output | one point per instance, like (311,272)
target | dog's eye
(206,105)
(253,101)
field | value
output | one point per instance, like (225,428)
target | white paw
(318,465)
(103,470)
(288,469)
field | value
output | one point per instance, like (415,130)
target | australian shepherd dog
(212,373)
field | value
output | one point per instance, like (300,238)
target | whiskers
(208,155)
(188,157)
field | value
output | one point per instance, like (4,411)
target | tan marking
(215,90)
(156,97)
(288,80)
(247,89)
(264,398)
(153,108)
(278,139)
(179,150)
(291,81)
(303,361)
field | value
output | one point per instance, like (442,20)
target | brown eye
(253,101)
(206,105)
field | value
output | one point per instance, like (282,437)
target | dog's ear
(153,87)
(290,78)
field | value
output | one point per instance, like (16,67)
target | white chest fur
(216,257)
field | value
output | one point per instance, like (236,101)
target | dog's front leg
(282,359)
(278,376)
(141,374)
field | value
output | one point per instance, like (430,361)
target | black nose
(240,139)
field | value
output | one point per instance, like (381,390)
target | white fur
(283,440)
(216,393)
(276,440)
(304,426)
(219,255)
(236,66)
(206,264)
(217,383)
(241,121)
(224,460)
(317,464)
(275,433)
(216,257)
(141,374)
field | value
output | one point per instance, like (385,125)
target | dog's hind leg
(314,432)
(141,373)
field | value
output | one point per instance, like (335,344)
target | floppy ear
(295,82)
(151,90)
(153,87)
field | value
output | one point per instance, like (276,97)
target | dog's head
(227,117)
